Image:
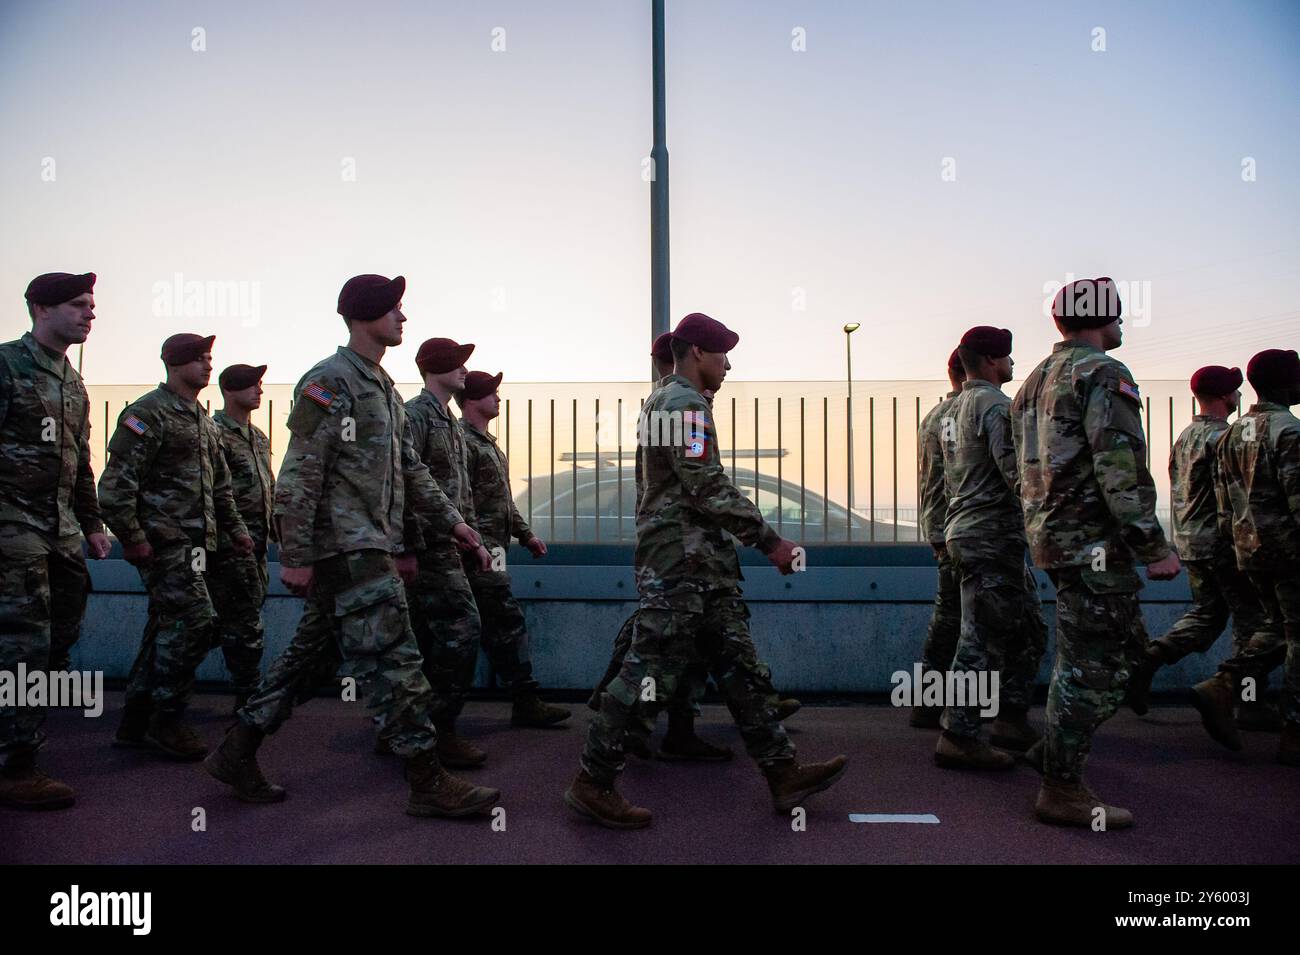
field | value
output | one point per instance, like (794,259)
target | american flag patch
(135,424)
(1130,389)
(316,393)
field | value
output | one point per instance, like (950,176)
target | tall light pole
(849,329)
(659,288)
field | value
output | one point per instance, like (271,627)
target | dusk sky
(810,187)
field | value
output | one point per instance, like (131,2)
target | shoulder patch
(1129,389)
(319,394)
(133,423)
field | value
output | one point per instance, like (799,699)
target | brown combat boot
(1034,756)
(174,738)
(605,805)
(235,763)
(791,783)
(925,717)
(1214,698)
(23,786)
(969,752)
(1074,804)
(1138,692)
(456,752)
(682,745)
(1013,731)
(529,711)
(1258,717)
(242,696)
(1288,748)
(134,728)
(436,792)
(787,708)
(634,745)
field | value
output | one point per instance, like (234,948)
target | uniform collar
(364,365)
(1206,417)
(1075,343)
(475,429)
(681,380)
(972,383)
(223,419)
(437,404)
(179,402)
(1267,406)
(56,366)
(954,394)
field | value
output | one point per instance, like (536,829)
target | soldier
(443,612)
(1204,544)
(505,635)
(344,504)
(237,582)
(1089,504)
(945,620)
(1259,493)
(688,574)
(1002,628)
(165,494)
(47,503)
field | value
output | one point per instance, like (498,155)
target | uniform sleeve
(930,470)
(519,528)
(1113,423)
(6,390)
(129,457)
(85,502)
(1001,445)
(1288,471)
(1222,500)
(229,519)
(313,433)
(423,496)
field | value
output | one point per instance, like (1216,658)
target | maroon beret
(1087,303)
(988,341)
(365,298)
(662,349)
(707,333)
(55,288)
(439,355)
(479,384)
(1216,380)
(239,377)
(1274,369)
(186,347)
(954,362)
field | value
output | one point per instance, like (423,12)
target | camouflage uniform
(345,501)
(47,501)
(688,575)
(945,621)
(1089,504)
(1259,491)
(444,613)
(1219,588)
(166,483)
(1002,626)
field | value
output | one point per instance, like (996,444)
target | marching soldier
(1259,493)
(47,503)
(1204,544)
(237,582)
(945,620)
(344,503)
(688,576)
(504,635)
(1002,628)
(1089,504)
(165,493)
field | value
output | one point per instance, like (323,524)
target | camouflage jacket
(439,440)
(166,481)
(45,477)
(929,467)
(248,456)
(979,466)
(1084,483)
(1193,506)
(687,505)
(351,479)
(489,475)
(1259,487)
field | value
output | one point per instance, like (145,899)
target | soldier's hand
(483,558)
(137,554)
(466,537)
(940,551)
(408,568)
(536,546)
(98,546)
(243,544)
(782,556)
(1166,569)
(297,580)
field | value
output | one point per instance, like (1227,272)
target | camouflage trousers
(179,631)
(670,635)
(237,584)
(503,632)
(1002,629)
(685,703)
(1279,592)
(447,628)
(43,587)
(1099,630)
(1219,591)
(945,621)
(356,613)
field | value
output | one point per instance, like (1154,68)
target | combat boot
(456,752)
(1288,748)
(529,710)
(234,762)
(436,792)
(1013,731)
(242,696)
(925,717)
(682,745)
(605,805)
(174,738)
(134,728)
(1138,692)
(787,708)
(1258,717)
(790,783)
(1034,756)
(23,786)
(1213,698)
(1074,804)
(969,752)
(634,745)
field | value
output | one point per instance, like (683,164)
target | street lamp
(849,329)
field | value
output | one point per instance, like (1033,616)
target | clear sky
(507,184)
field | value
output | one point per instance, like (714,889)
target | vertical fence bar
(826,468)
(597,471)
(780,488)
(574,463)
(733,440)
(1149,433)
(756,452)
(871,458)
(803,486)
(530,460)
(507,427)
(620,469)
(1171,422)
(270,431)
(918,467)
(848,464)
(893,430)
(106,435)
(551,480)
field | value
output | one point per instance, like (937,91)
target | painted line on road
(925,818)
